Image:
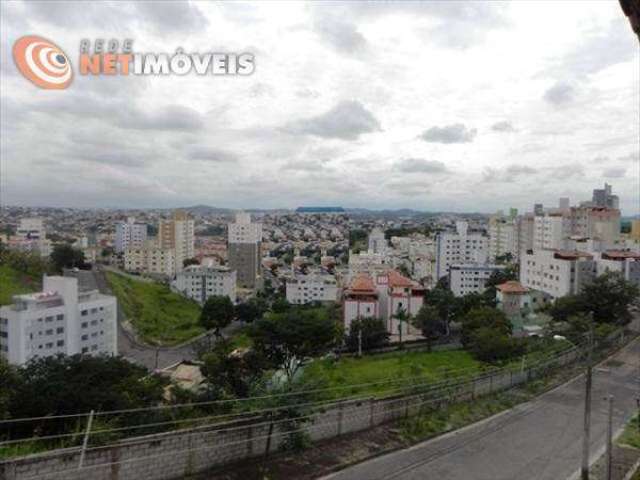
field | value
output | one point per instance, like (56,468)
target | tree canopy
(373,331)
(285,339)
(607,297)
(217,313)
(430,323)
(65,256)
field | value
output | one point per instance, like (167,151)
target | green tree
(285,339)
(374,334)
(491,345)
(484,317)
(497,278)
(9,381)
(404,270)
(608,297)
(280,304)
(65,256)
(566,307)
(230,373)
(357,238)
(63,385)
(251,310)
(217,313)
(430,323)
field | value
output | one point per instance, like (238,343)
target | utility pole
(609,437)
(360,342)
(587,409)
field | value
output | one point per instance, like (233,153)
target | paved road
(128,346)
(539,440)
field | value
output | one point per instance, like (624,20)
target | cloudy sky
(460,106)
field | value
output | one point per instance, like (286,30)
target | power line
(444,385)
(278,434)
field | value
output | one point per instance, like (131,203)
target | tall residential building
(59,320)
(557,272)
(551,231)
(199,283)
(177,233)
(538,209)
(243,252)
(459,247)
(601,223)
(526,231)
(602,197)
(31,237)
(554,229)
(31,228)
(503,237)
(151,259)
(377,241)
(635,229)
(130,234)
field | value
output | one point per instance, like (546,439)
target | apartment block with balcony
(59,320)
(199,282)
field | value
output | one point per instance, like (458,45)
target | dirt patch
(320,459)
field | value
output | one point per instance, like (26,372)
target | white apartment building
(150,259)
(377,241)
(557,272)
(199,282)
(302,289)
(503,237)
(551,231)
(459,248)
(470,277)
(59,320)
(177,234)
(244,249)
(601,223)
(130,234)
(31,237)
(625,262)
(367,262)
(31,228)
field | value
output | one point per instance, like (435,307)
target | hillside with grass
(159,316)
(14,282)
(20,272)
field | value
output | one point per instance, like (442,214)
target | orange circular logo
(42,62)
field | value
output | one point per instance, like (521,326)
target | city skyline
(380,108)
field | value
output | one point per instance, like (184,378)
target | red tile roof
(512,286)
(362,283)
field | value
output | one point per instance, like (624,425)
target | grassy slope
(159,315)
(397,366)
(13,282)
(631,435)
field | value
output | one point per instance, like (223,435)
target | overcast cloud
(429,105)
